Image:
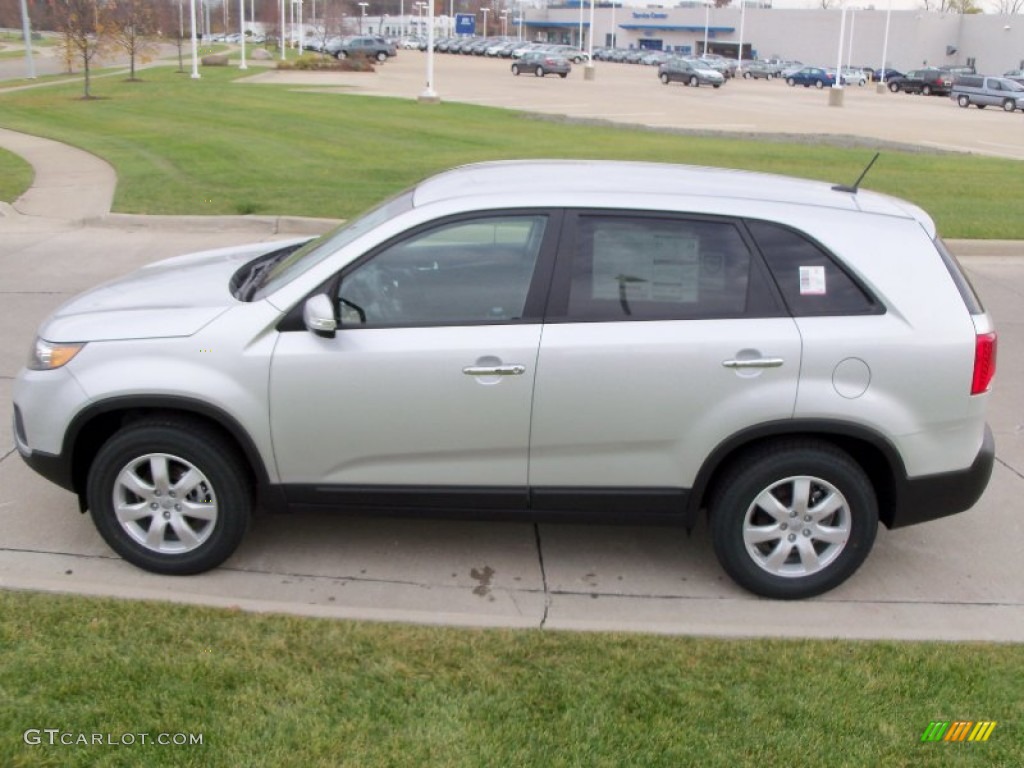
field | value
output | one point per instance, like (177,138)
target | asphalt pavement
(957,578)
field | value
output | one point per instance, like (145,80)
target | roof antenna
(856,184)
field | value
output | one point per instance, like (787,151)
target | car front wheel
(539,72)
(515,70)
(342,55)
(694,82)
(170,496)
(790,81)
(894,87)
(926,90)
(793,519)
(382,57)
(664,79)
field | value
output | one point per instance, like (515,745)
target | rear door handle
(757,362)
(494,370)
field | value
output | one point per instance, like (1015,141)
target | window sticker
(812,281)
(644,266)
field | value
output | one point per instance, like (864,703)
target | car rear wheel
(819,84)
(562,74)
(693,81)
(926,90)
(769,76)
(664,78)
(1009,105)
(746,75)
(170,495)
(342,55)
(963,101)
(382,56)
(539,72)
(515,70)
(793,519)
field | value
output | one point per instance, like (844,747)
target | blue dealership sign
(465,24)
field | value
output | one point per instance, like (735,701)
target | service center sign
(465,24)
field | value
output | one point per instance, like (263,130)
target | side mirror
(318,316)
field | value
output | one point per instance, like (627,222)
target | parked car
(1017,75)
(928,81)
(647,341)
(689,71)
(542,63)
(886,74)
(983,91)
(852,76)
(370,47)
(808,76)
(758,70)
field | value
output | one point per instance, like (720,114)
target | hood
(173,297)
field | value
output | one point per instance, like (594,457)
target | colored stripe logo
(958,730)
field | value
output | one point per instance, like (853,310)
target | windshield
(315,251)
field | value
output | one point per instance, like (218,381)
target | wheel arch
(873,452)
(97,423)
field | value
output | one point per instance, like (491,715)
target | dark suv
(370,47)
(928,81)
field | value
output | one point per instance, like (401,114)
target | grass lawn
(284,691)
(15,176)
(212,146)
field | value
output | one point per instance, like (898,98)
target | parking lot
(632,94)
(954,578)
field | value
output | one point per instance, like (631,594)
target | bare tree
(129,24)
(83,33)
(829,4)
(1009,6)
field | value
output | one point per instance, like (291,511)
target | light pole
(504,23)
(835,96)
(283,30)
(195,47)
(26,31)
(429,95)
(241,15)
(362,15)
(420,7)
(849,48)
(615,37)
(885,47)
(707,24)
(739,53)
(485,11)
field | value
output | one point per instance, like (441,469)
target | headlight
(47,356)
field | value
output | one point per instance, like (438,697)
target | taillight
(984,362)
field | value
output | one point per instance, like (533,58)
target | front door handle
(494,370)
(757,362)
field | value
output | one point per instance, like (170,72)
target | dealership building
(991,43)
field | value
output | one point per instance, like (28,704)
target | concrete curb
(968,248)
(259,225)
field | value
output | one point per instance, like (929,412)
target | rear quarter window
(811,280)
(967,292)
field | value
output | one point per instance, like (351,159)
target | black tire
(515,70)
(382,56)
(693,81)
(790,81)
(926,90)
(894,87)
(563,75)
(746,75)
(342,55)
(819,84)
(1009,105)
(963,101)
(125,471)
(665,79)
(833,485)
(539,72)
(769,76)
(981,106)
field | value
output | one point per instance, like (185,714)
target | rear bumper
(927,498)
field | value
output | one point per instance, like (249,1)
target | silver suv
(653,342)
